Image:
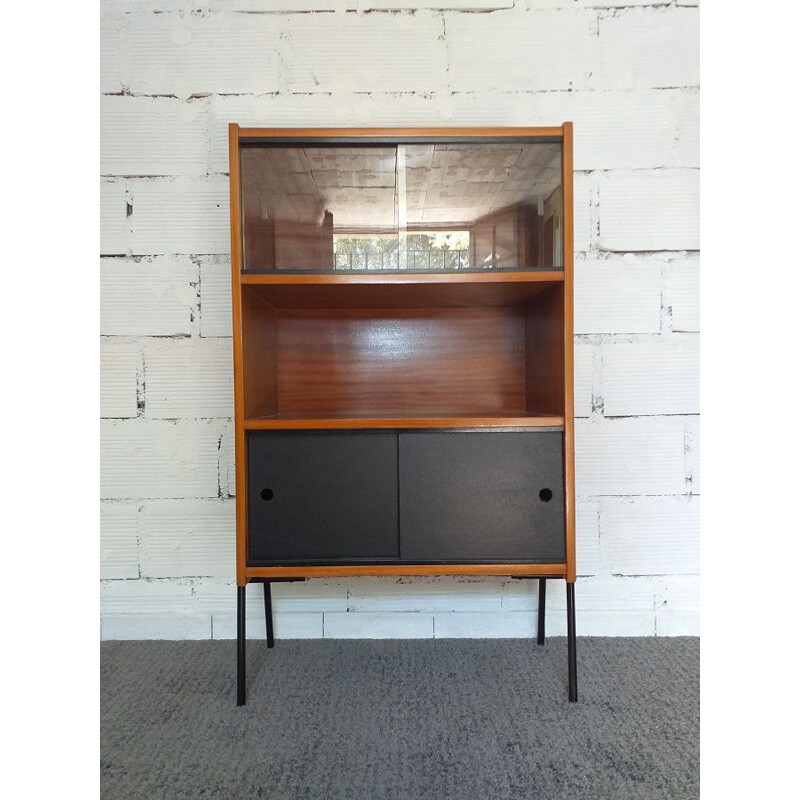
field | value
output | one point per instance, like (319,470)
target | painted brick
(587,537)
(648,378)
(656,48)
(147,297)
(290,6)
(111,53)
(119,364)
(186,538)
(146,597)
(182,55)
(426,595)
(677,623)
(227,461)
(591,594)
(322,51)
(523,595)
(616,593)
(650,211)
(585,212)
(115,627)
(641,129)
(364,625)
(679,593)
(693,455)
(155,459)
(313,596)
(215,300)
(310,596)
(484,625)
(615,297)
(285,626)
(113,221)
(180,215)
(629,457)
(683,292)
(152,136)
(652,536)
(602,4)
(597,622)
(443,5)
(192,378)
(546,50)
(584,359)
(119,542)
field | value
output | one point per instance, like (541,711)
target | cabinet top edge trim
(396,135)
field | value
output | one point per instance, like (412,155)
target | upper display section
(443,205)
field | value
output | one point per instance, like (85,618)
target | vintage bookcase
(403,357)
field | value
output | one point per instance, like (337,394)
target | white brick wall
(650,210)
(152,458)
(626,73)
(189,379)
(188,538)
(652,378)
(119,373)
(615,297)
(147,297)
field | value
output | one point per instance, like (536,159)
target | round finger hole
(545,495)
(267,494)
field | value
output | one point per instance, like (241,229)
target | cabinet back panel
(458,361)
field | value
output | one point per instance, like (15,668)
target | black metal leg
(241,649)
(571,653)
(268,613)
(540,628)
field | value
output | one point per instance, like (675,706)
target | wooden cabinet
(402,336)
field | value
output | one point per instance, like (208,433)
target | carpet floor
(414,719)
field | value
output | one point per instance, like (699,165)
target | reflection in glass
(417,207)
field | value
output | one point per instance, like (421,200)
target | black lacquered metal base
(241,638)
(572,657)
(241,650)
(540,625)
(268,613)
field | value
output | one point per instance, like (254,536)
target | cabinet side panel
(260,359)
(569,396)
(238,375)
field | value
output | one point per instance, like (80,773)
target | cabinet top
(399,135)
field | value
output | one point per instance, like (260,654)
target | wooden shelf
(416,290)
(402,420)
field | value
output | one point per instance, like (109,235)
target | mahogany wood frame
(490,281)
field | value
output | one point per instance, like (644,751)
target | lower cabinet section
(413,497)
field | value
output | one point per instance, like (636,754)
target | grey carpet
(401,719)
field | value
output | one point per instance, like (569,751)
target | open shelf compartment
(371,355)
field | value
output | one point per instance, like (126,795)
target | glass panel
(416,207)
